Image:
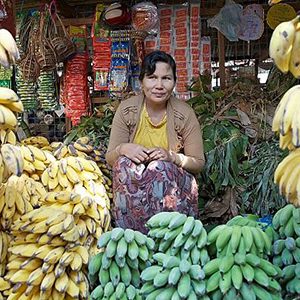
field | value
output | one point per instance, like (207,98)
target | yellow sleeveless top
(150,135)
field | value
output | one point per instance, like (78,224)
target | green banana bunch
(226,239)
(286,221)
(238,274)
(115,272)
(179,235)
(171,277)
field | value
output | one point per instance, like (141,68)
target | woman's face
(159,86)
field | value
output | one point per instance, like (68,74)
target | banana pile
(177,234)
(115,272)
(9,52)
(284,46)
(286,249)
(50,248)
(246,276)
(170,277)
(287,177)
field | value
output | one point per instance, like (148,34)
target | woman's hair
(150,60)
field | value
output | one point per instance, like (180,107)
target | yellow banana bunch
(286,119)
(9,52)
(8,136)
(12,159)
(4,244)
(16,200)
(287,177)
(9,105)
(294,66)
(36,141)
(35,160)
(281,44)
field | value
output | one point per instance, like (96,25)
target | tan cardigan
(183,129)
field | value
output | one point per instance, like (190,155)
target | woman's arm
(193,159)
(119,143)
(119,134)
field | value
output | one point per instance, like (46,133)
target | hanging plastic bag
(228,20)
(145,17)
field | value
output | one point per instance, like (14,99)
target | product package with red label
(76,90)
(166,28)
(101,52)
(120,63)
(181,34)
(195,36)
(205,55)
(75,96)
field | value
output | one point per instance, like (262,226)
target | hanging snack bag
(145,17)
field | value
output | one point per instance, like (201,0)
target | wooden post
(221,48)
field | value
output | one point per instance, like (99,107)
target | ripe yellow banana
(296,126)
(282,167)
(287,173)
(286,141)
(281,44)
(8,42)
(15,106)
(291,184)
(4,59)
(12,159)
(8,95)
(8,119)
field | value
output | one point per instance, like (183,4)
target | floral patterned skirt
(141,191)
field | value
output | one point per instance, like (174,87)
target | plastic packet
(228,20)
(144,17)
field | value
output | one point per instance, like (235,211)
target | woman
(155,146)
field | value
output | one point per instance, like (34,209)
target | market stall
(65,68)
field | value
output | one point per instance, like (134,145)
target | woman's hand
(159,154)
(135,152)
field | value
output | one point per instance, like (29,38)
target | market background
(78,60)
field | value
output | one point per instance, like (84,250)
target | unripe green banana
(212,283)
(184,286)
(125,275)
(161,278)
(117,233)
(174,276)
(149,273)
(188,225)
(225,282)
(237,276)
(95,263)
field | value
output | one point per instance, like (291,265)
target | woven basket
(61,41)
(29,67)
(44,52)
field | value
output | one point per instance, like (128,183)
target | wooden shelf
(100,100)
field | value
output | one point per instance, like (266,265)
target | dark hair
(150,60)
